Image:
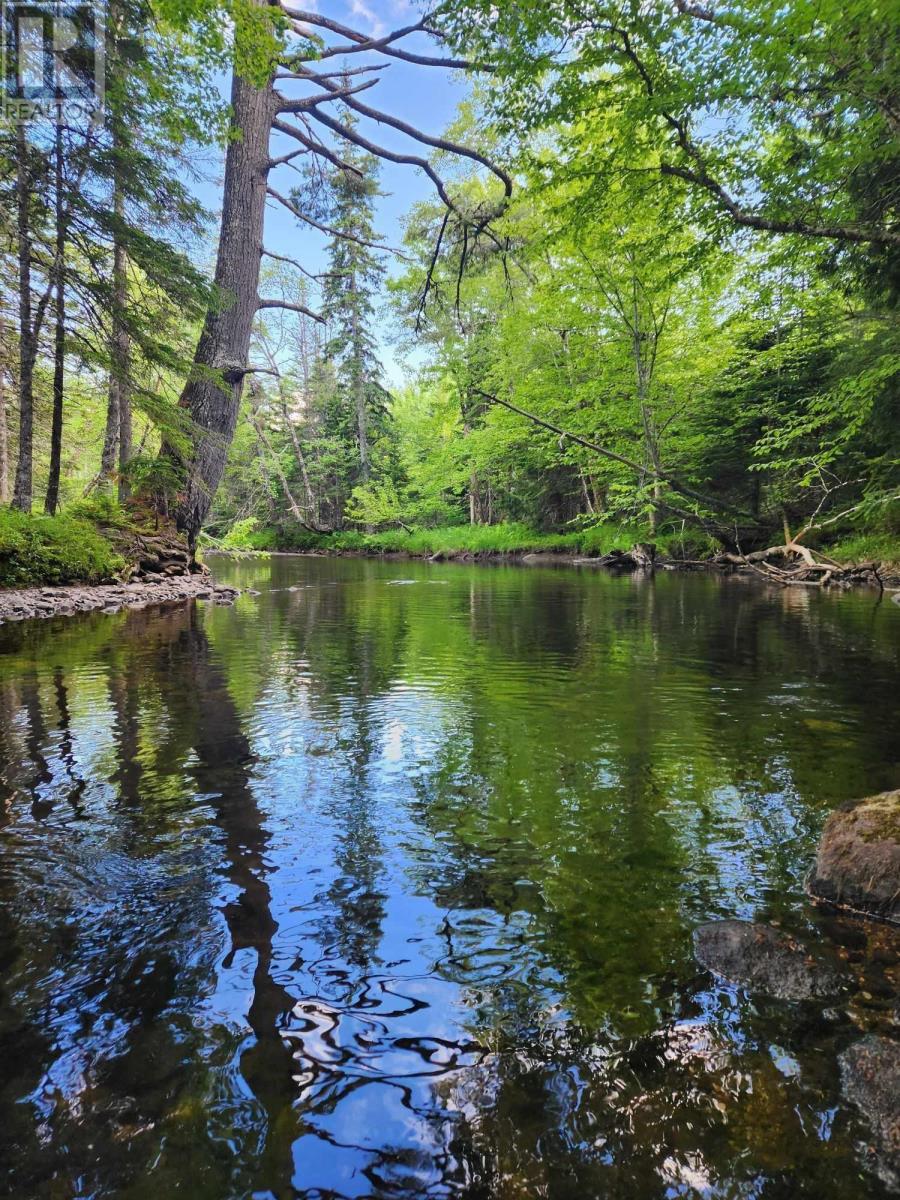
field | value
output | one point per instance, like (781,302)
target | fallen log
(803,567)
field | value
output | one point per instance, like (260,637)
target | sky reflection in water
(375,890)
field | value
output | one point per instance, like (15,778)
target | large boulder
(870,1079)
(767,960)
(858,862)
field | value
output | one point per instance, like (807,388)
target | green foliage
(39,550)
(457,540)
(881,547)
(246,534)
(153,477)
(773,116)
(102,508)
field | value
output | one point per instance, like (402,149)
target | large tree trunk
(51,501)
(213,394)
(24,467)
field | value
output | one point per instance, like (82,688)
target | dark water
(385,886)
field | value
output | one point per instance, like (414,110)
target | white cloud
(361,10)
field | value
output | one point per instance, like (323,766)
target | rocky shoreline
(22,604)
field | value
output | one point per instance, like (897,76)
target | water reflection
(372,890)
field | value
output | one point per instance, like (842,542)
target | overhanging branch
(639,468)
(292,307)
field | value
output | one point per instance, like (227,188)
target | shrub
(101,508)
(247,535)
(37,550)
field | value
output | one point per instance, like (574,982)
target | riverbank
(23,604)
(600,544)
(640,556)
(100,557)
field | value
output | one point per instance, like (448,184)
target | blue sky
(424,96)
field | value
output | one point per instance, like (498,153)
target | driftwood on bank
(795,565)
(641,556)
(789,564)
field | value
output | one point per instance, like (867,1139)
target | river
(382,883)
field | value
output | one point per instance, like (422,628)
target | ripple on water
(383,884)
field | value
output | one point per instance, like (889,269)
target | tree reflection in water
(366,890)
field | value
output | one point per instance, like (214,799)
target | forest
(568,869)
(649,292)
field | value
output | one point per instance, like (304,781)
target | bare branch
(286,158)
(426,288)
(439,143)
(293,262)
(329,229)
(310,102)
(696,11)
(315,146)
(292,307)
(639,468)
(699,175)
(343,73)
(753,220)
(384,45)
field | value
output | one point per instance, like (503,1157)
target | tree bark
(24,485)
(213,393)
(51,500)
(123,363)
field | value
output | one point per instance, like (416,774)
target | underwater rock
(764,959)
(858,861)
(870,1079)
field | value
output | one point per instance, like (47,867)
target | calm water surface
(384,886)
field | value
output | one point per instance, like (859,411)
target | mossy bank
(90,543)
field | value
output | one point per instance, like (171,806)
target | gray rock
(858,860)
(870,1079)
(766,960)
(28,603)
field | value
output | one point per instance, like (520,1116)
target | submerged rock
(858,860)
(764,959)
(870,1079)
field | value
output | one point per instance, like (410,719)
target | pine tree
(351,285)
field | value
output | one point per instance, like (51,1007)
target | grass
(866,547)
(516,538)
(454,540)
(36,550)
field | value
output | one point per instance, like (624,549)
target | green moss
(36,550)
